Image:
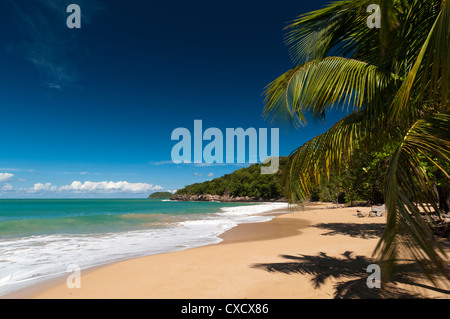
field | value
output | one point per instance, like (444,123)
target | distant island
(160,195)
(243,185)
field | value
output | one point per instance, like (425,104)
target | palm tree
(394,82)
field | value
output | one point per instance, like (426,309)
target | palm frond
(315,34)
(431,67)
(394,80)
(313,162)
(323,84)
(409,194)
(341,29)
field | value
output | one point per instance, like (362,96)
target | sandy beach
(321,252)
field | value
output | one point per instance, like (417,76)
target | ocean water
(40,239)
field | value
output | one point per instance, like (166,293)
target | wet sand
(322,252)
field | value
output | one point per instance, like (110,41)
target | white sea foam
(30,260)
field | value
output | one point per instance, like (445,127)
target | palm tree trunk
(443,193)
(444,198)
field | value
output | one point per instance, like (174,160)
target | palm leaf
(313,162)
(408,189)
(326,83)
(432,66)
(311,36)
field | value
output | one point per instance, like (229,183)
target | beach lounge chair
(377,211)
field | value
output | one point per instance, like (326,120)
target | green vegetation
(243,182)
(161,195)
(360,183)
(395,83)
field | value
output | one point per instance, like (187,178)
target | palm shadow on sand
(350,271)
(351,274)
(365,231)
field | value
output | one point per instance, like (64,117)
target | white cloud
(197,164)
(219,164)
(18,170)
(5,177)
(211,174)
(7,187)
(83,189)
(87,187)
(39,187)
(114,187)
(161,163)
(197,174)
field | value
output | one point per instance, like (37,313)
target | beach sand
(317,253)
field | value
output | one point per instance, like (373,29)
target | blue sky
(89,112)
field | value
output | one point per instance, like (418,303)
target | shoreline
(254,260)
(29,291)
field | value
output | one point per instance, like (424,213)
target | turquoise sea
(41,238)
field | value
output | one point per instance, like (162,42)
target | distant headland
(160,195)
(243,185)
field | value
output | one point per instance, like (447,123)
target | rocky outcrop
(224,198)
